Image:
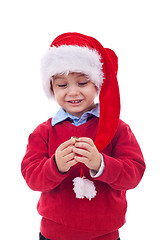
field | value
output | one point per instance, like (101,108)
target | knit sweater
(62,212)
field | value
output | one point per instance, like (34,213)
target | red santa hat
(75,52)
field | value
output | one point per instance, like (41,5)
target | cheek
(92,92)
(56,95)
(59,95)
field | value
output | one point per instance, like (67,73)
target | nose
(73,90)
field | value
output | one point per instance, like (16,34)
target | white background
(131,29)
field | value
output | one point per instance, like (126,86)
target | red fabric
(124,168)
(61,232)
(109,95)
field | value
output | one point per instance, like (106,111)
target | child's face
(74,92)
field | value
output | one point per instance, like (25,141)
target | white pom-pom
(84,188)
(78,183)
(90,189)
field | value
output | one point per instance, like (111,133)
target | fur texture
(83,187)
(65,59)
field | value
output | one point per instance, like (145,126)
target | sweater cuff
(95,174)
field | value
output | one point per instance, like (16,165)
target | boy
(83,180)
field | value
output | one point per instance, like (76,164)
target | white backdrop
(131,29)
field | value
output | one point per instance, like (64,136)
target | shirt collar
(62,115)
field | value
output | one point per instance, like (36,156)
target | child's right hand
(64,156)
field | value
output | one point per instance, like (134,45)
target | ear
(97,90)
(51,84)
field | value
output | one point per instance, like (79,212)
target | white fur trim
(68,58)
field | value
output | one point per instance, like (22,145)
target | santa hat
(74,52)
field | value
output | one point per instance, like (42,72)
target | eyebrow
(81,75)
(61,77)
(58,77)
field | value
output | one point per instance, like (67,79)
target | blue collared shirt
(62,115)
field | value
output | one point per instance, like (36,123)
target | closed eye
(82,83)
(62,85)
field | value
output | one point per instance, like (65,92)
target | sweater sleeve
(38,169)
(125,167)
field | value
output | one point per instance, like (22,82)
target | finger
(71,163)
(84,145)
(67,144)
(67,150)
(81,152)
(86,140)
(69,157)
(81,159)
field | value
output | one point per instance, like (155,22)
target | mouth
(75,102)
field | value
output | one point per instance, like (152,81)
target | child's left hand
(87,153)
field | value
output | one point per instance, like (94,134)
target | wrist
(95,174)
(99,161)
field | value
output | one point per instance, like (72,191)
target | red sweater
(63,214)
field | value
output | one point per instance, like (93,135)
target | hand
(64,156)
(87,153)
